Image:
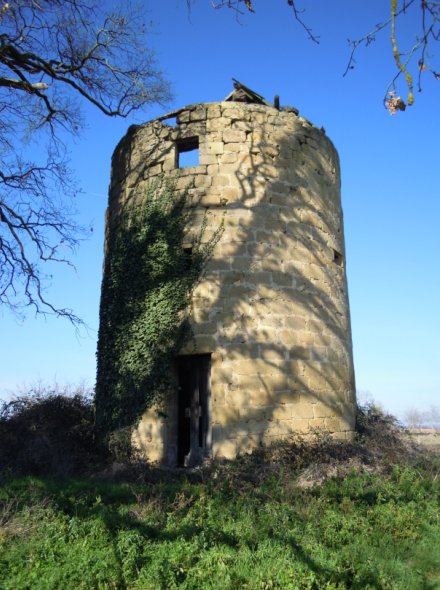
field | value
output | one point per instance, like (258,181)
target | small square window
(338,258)
(187,152)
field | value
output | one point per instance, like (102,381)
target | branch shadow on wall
(146,291)
(273,293)
(271,308)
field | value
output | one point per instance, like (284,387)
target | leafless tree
(417,418)
(54,56)
(412,61)
(414,418)
(434,416)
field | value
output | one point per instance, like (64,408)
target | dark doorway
(193,408)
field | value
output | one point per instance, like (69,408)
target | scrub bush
(47,431)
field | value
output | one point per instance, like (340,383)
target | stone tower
(272,352)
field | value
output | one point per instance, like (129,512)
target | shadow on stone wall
(272,307)
(146,291)
(302,335)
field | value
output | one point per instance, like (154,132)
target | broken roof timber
(242,93)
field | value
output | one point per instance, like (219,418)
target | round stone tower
(271,354)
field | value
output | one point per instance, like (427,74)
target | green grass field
(231,530)
(308,513)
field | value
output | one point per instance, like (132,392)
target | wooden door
(193,408)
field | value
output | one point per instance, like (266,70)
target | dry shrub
(47,431)
(50,431)
(301,460)
(305,460)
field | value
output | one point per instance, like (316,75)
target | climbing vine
(144,316)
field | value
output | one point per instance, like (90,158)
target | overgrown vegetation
(364,531)
(47,430)
(147,285)
(305,514)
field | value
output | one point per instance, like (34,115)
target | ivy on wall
(144,315)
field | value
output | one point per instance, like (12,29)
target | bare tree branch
(426,32)
(53,55)
(237,5)
(423,16)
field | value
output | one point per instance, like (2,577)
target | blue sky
(390,185)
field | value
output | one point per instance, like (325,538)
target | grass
(305,514)
(365,530)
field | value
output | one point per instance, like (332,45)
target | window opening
(338,258)
(170,121)
(187,152)
(187,261)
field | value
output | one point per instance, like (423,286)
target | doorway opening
(192,408)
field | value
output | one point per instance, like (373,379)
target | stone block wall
(272,307)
